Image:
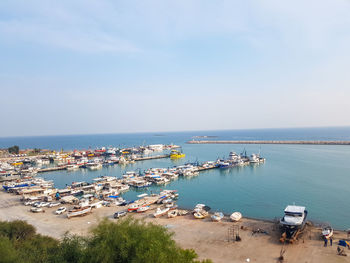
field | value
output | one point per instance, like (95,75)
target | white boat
(294,219)
(159,212)
(142,209)
(119,201)
(79,211)
(327,232)
(93,166)
(254,158)
(200,215)
(217,216)
(198,208)
(167,201)
(182,212)
(172,213)
(71,167)
(235,216)
(294,216)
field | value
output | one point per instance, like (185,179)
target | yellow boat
(176,154)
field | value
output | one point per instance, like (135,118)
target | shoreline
(209,239)
(270,142)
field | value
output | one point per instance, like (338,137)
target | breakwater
(271,142)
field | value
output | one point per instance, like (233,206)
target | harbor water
(316,176)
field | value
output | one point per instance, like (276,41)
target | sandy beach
(209,239)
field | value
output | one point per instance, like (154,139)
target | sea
(314,176)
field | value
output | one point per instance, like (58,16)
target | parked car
(120,214)
(60,210)
(44,204)
(37,210)
(29,202)
(54,204)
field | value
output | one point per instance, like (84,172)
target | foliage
(128,240)
(14,149)
(132,240)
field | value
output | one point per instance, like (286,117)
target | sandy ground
(209,239)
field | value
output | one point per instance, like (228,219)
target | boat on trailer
(293,222)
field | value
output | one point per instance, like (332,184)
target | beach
(208,239)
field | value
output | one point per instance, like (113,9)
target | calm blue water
(316,176)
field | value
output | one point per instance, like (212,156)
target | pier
(272,142)
(51,169)
(152,157)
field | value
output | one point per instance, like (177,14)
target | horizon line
(179,131)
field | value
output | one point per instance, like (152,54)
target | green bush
(128,240)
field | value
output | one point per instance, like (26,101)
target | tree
(132,240)
(128,240)
(14,149)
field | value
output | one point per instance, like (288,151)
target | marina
(214,190)
(291,174)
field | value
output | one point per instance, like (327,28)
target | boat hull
(80,212)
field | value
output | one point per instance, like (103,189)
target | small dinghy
(236,216)
(327,232)
(182,212)
(172,213)
(200,215)
(217,217)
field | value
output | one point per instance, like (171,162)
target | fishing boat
(327,232)
(254,158)
(235,216)
(79,211)
(133,207)
(175,154)
(159,212)
(142,209)
(172,213)
(294,219)
(216,217)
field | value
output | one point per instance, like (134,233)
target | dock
(51,169)
(272,142)
(152,157)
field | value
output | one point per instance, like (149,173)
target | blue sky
(80,67)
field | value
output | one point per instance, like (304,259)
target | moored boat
(176,154)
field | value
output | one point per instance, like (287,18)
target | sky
(100,66)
